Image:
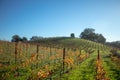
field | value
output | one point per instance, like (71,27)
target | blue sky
(50,18)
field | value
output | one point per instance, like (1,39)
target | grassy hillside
(58,59)
(67,42)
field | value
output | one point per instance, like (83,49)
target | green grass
(113,72)
(84,71)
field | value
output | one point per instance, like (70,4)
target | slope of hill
(58,59)
(67,42)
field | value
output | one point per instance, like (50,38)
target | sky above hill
(51,18)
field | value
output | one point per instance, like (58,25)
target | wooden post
(80,51)
(63,59)
(78,57)
(98,55)
(50,51)
(37,51)
(8,44)
(16,47)
(26,49)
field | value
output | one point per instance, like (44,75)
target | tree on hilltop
(24,39)
(89,34)
(72,35)
(17,38)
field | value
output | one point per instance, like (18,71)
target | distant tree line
(36,38)
(17,38)
(114,44)
(88,34)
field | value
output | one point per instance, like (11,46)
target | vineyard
(70,60)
